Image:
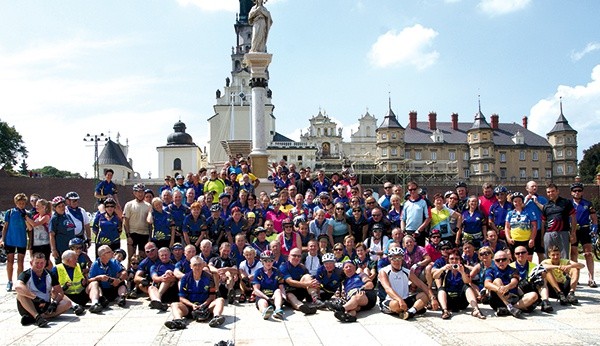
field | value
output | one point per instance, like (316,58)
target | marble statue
(261,21)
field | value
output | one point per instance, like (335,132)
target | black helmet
(460,184)
(445,243)
(576,186)
(72,195)
(518,195)
(500,189)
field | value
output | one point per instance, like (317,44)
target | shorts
(139,241)
(111,293)
(324,295)
(384,305)
(524,243)
(565,287)
(12,249)
(38,308)
(457,301)
(583,236)
(372,300)
(162,243)
(269,302)
(538,244)
(45,249)
(300,293)
(80,298)
(496,302)
(171,295)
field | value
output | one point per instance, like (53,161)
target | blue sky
(70,68)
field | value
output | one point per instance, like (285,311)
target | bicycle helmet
(500,189)
(518,195)
(445,243)
(328,257)
(57,200)
(395,251)
(139,187)
(287,222)
(121,252)
(460,184)
(109,202)
(576,186)
(448,194)
(72,195)
(267,255)
(76,242)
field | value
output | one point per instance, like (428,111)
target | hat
(168,177)
(323,195)
(178,176)
(215,207)
(349,261)
(250,214)
(259,230)
(377,228)
(224,195)
(177,246)
(323,236)
(139,187)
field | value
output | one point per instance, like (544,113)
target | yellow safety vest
(63,277)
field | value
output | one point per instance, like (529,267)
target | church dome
(179,137)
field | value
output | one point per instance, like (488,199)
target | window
(285,158)
(407,154)
(559,153)
(418,155)
(299,157)
(560,170)
(434,155)
(384,136)
(177,164)
(452,155)
(467,173)
(486,152)
(548,173)
(503,173)
(394,153)
(560,140)
(502,156)
(535,155)
(476,168)
(466,156)
(475,136)
(569,152)
(522,155)
(570,169)
(394,135)
(522,173)
(475,153)
(394,167)
(384,152)
(486,167)
(536,173)
(548,156)
(570,139)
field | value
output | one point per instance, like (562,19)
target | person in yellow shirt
(564,276)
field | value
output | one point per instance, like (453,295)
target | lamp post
(95,138)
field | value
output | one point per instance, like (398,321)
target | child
(14,236)
(134,264)
(77,244)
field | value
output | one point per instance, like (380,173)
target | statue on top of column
(261,21)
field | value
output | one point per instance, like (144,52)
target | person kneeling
(395,280)
(197,298)
(39,295)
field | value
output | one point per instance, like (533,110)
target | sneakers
(156,304)
(592,284)
(344,317)
(335,306)
(78,310)
(27,320)
(317,303)
(406,315)
(9,286)
(104,302)
(279,315)
(216,321)
(267,313)
(502,311)
(546,307)
(96,308)
(563,300)
(571,298)
(231,296)
(307,310)
(122,302)
(175,324)
(132,294)
(515,311)
(40,321)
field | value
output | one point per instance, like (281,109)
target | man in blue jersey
(197,298)
(415,215)
(299,285)
(106,188)
(107,280)
(587,220)
(164,287)
(534,204)
(142,278)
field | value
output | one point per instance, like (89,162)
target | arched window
(177,164)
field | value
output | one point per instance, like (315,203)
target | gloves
(52,307)
(414,267)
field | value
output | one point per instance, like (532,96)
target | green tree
(49,171)
(24,169)
(11,145)
(588,166)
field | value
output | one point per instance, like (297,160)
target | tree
(49,171)
(588,166)
(24,169)
(11,145)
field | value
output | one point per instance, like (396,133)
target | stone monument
(258,60)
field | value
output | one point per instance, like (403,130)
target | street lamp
(96,138)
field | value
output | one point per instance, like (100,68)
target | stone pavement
(138,325)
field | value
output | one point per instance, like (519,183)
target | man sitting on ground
(142,278)
(72,281)
(164,287)
(107,280)
(197,298)
(563,278)
(299,285)
(225,271)
(532,279)
(39,295)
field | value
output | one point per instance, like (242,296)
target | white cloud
(581,107)
(411,46)
(592,46)
(500,7)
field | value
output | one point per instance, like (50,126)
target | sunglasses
(412,189)
(134,263)
(337,249)
(370,202)
(395,259)
(521,253)
(339,208)
(500,260)
(576,190)
(435,236)
(387,187)
(485,253)
(149,251)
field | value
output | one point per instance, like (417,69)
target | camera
(455,266)
(145,283)
(201,314)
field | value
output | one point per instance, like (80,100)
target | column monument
(258,61)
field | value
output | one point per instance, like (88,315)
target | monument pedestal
(258,63)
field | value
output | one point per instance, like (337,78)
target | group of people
(208,240)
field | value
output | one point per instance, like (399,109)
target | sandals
(242,298)
(446,315)
(592,284)
(267,313)
(477,313)
(279,315)
(252,298)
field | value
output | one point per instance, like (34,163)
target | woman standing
(441,217)
(40,239)
(340,227)
(163,228)
(289,239)
(474,224)
(107,226)
(520,227)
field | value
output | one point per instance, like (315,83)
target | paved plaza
(138,325)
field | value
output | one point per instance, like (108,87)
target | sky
(134,68)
